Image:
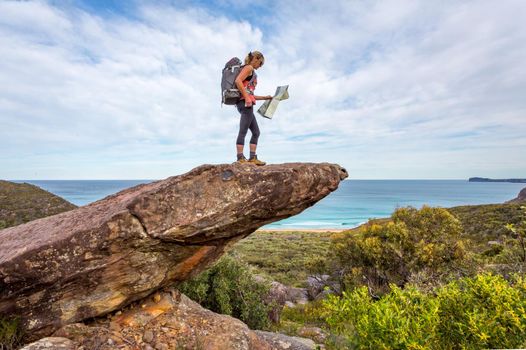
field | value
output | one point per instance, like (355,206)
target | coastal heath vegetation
(497,234)
(424,280)
(423,246)
(518,241)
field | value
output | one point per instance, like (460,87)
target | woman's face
(257,62)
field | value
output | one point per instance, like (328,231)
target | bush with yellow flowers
(482,312)
(425,243)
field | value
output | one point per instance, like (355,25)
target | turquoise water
(353,203)
(356,201)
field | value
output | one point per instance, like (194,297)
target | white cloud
(391,89)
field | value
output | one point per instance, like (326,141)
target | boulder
(168,320)
(317,284)
(280,341)
(95,259)
(52,343)
(315,333)
(280,295)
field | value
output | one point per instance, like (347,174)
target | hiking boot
(242,160)
(256,161)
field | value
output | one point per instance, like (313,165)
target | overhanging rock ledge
(95,259)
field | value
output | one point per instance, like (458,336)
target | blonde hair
(254,54)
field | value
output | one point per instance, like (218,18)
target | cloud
(410,86)
(424,72)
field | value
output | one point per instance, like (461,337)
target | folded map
(268,108)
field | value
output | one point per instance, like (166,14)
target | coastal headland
(485,179)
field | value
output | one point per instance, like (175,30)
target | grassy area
(283,255)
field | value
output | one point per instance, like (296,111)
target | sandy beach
(301,230)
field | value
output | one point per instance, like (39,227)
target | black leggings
(247,121)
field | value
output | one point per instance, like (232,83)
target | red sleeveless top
(250,86)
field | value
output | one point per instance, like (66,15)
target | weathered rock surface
(52,343)
(280,341)
(314,333)
(521,197)
(21,203)
(96,259)
(170,320)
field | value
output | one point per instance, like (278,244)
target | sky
(399,89)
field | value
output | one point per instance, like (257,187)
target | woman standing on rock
(246,82)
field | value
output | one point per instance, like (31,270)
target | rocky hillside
(521,197)
(98,259)
(21,203)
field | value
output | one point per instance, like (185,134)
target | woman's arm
(245,72)
(268,97)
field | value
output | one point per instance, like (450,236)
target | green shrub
(473,313)
(482,312)
(313,313)
(414,241)
(400,319)
(230,288)
(10,333)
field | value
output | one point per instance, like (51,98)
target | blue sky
(389,89)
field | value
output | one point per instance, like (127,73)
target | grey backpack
(229,91)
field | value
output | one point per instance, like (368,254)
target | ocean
(352,204)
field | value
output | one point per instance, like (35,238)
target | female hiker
(246,82)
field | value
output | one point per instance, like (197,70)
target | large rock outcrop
(95,259)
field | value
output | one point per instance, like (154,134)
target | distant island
(484,179)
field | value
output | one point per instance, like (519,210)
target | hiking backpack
(229,91)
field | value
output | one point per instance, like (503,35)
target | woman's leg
(244,124)
(254,128)
(247,121)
